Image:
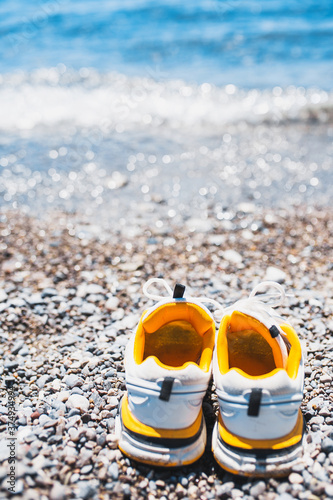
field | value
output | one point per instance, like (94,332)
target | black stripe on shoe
(168,443)
(260,453)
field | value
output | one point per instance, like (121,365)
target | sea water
(116,108)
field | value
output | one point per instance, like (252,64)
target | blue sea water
(249,43)
(209,101)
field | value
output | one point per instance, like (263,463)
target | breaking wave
(51,98)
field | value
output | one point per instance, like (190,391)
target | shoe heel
(157,447)
(275,461)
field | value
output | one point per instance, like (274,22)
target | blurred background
(138,110)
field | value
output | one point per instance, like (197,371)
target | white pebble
(78,401)
(275,274)
(112,304)
(232,256)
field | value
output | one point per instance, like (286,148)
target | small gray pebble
(77,401)
(49,292)
(327,445)
(184,481)
(114,471)
(329,490)
(19,487)
(35,299)
(43,380)
(86,490)
(113,401)
(24,351)
(73,380)
(77,390)
(17,302)
(11,365)
(126,490)
(88,309)
(321,458)
(17,346)
(152,485)
(101,439)
(74,411)
(224,488)
(58,492)
(86,469)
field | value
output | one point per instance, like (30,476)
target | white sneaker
(258,372)
(168,368)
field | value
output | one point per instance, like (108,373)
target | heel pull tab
(274,331)
(166,388)
(254,403)
(178,292)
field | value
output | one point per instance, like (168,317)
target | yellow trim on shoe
(158,464)
(257,377)
(166,314)
(295,354)
(293,361)
(174,311)
(240,321)
(294,437)
(134,425)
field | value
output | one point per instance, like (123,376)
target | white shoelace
(162,282)
(279,297)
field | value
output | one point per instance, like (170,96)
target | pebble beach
(190,141)
(70,297)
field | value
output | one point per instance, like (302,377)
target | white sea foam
(52,98)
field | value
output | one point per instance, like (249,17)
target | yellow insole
(174,344)
(249,351)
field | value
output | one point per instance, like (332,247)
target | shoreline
(70,296)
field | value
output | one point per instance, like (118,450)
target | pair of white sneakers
(257,365)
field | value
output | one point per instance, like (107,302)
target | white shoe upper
(144,385)
(165,397)
(277,394)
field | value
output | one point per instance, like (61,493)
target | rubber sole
(159,454)
(256,463)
